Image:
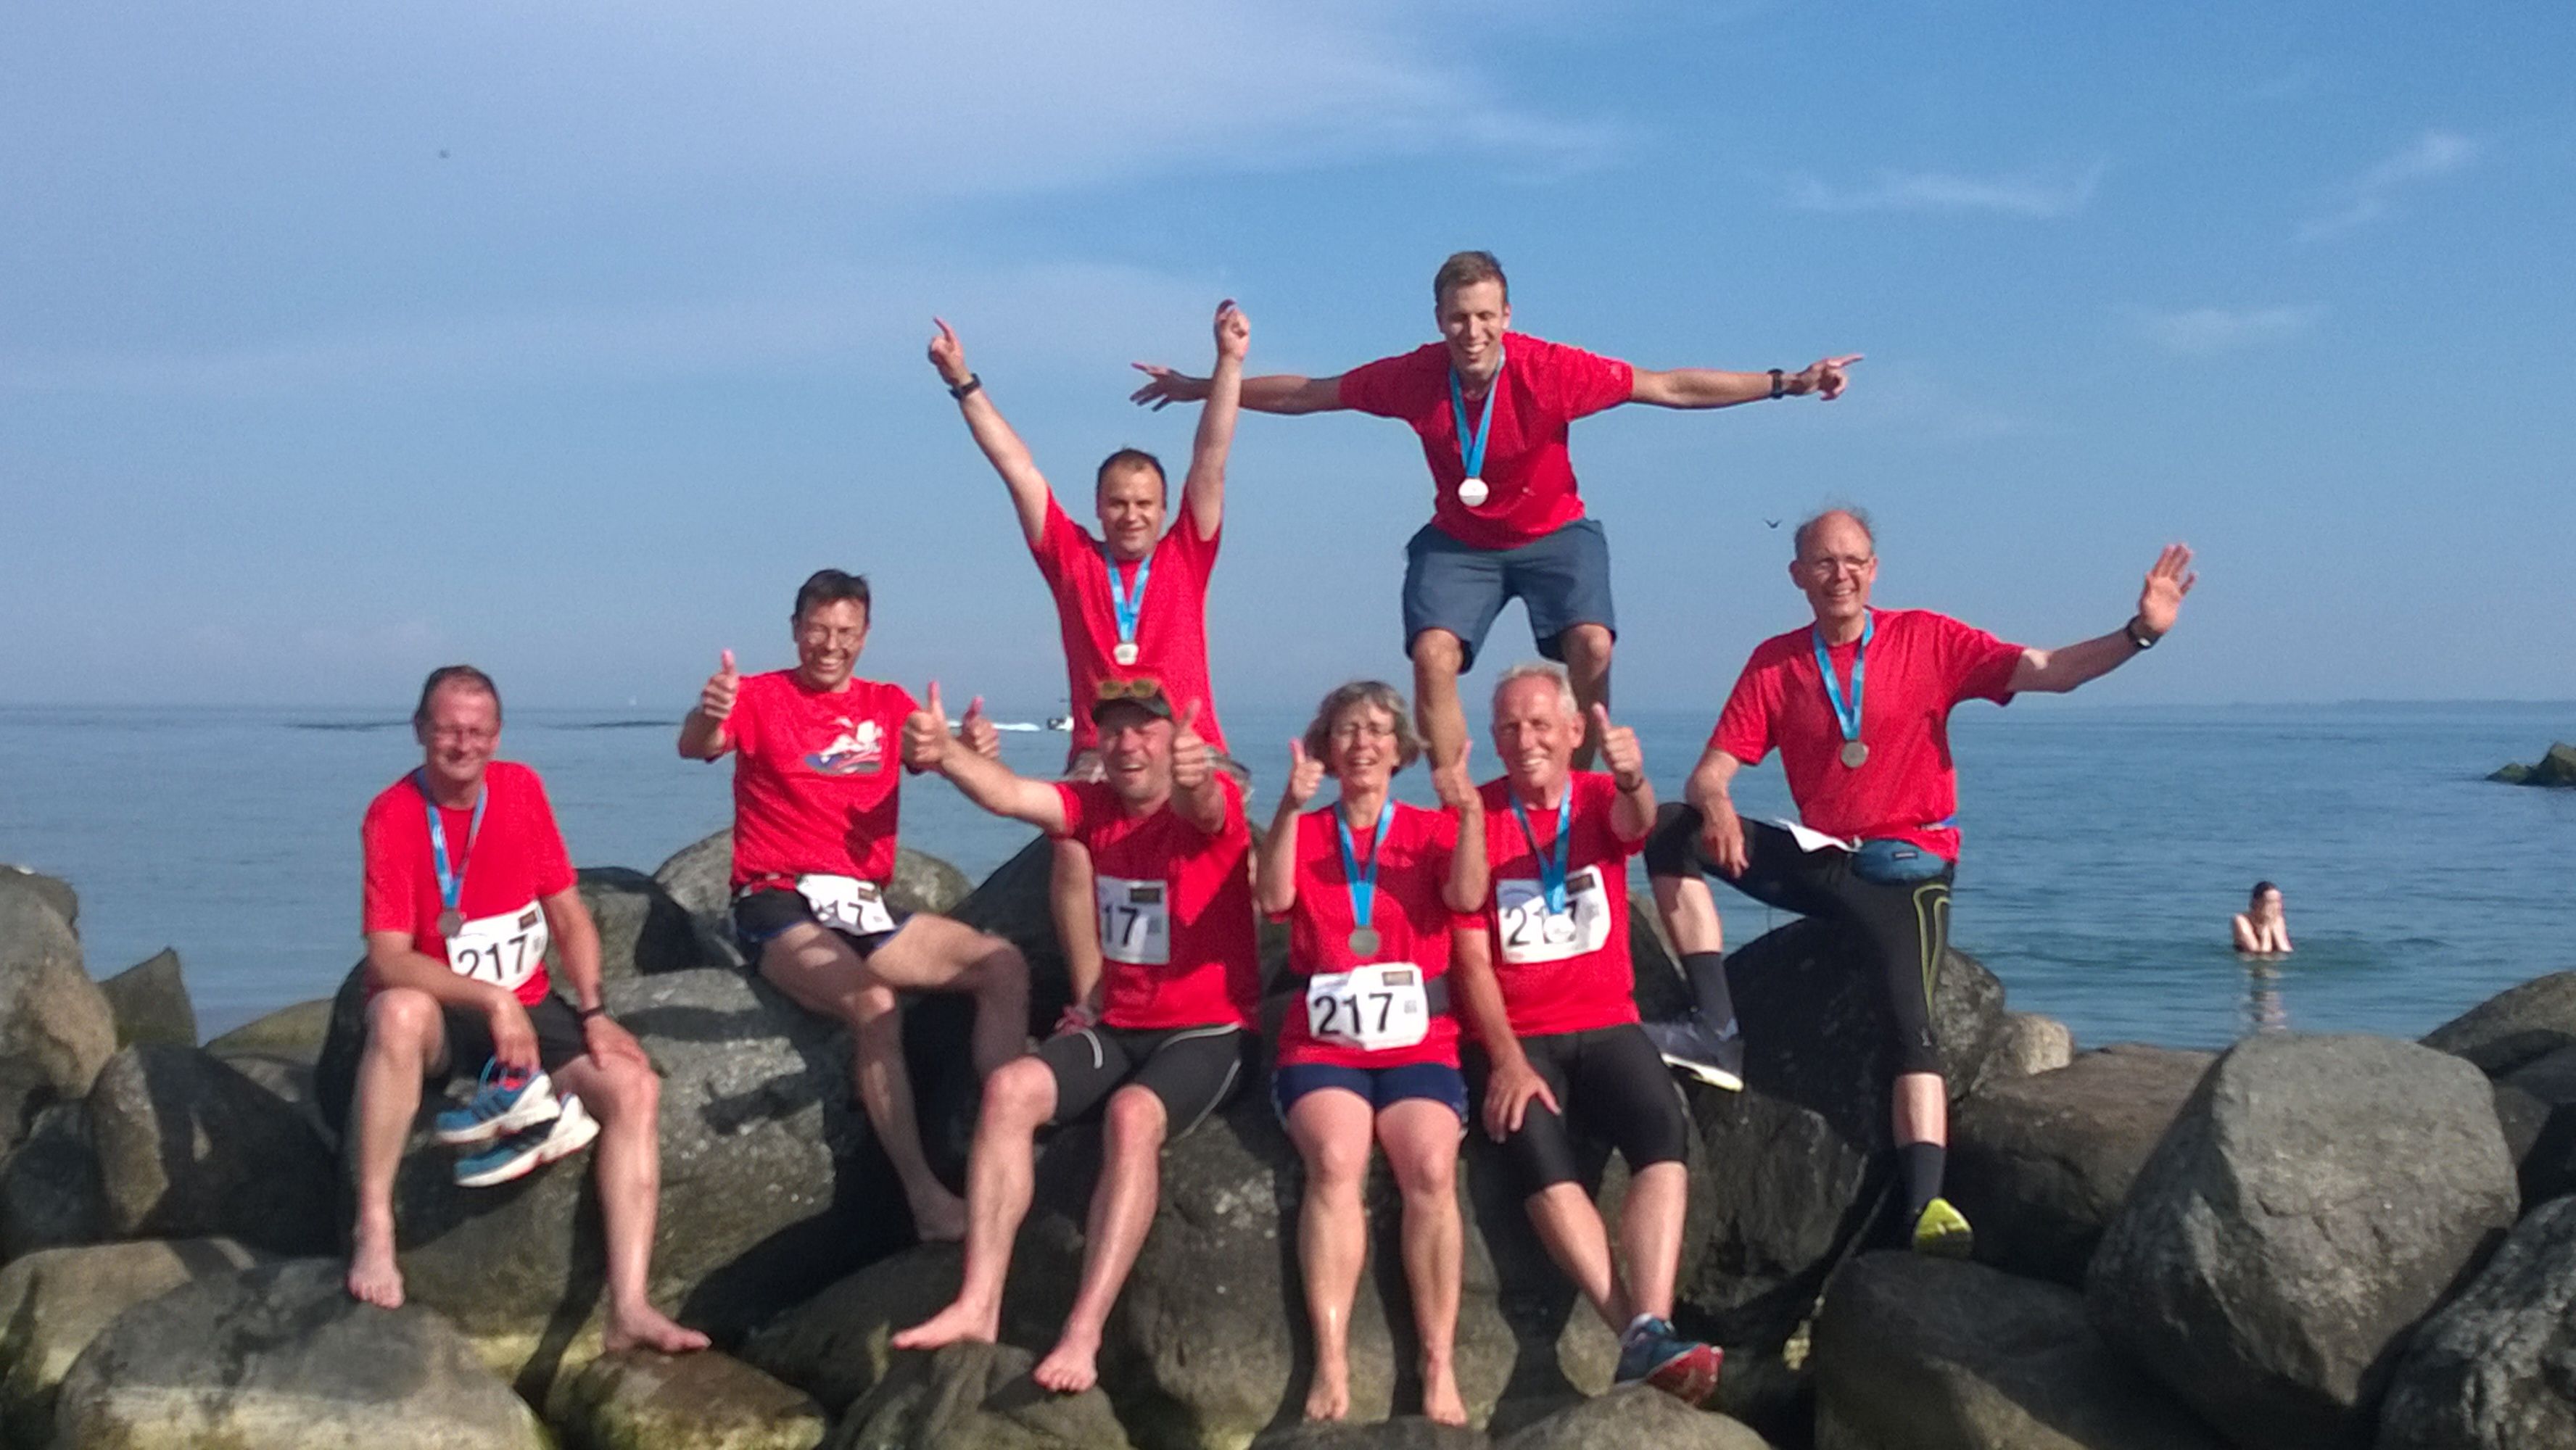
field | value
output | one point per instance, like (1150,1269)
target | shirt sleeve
(1977,665)
(1072,799)
(1383,388)
(1588,383)
(742,727)
(1059,540)
(1744,726)
(387,903)
(549,862)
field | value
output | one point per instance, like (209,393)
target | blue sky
(337,342)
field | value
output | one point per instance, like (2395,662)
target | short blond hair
(1548,670)
(1347,697)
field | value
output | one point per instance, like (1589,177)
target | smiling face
(2267,906)
(1473,317)
(1535,733)
(1136,753)
(1836,565)
(1130,497)
(1361,747)
(458,734)
(829,637)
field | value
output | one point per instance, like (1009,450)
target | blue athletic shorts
(1563,580)
(1381,1087)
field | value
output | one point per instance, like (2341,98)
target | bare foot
(1070,1367)
(645,1327)
(373,1278)
(1329,1397)
(938,1216)
(958,1322)
(1440,1401)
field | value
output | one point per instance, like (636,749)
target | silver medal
(1472,493)
(1125,654)
(1854,754)
(1364,942)
(450,922)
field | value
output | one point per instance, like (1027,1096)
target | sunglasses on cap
(1144,692)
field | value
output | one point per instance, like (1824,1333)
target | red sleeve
(1976,665)
(1386,388)
(1060,538)
(1744,726)
(1586,382)
(742,727)
(388,898)
(1072,799)
(1305,868)
(549,863)
(900,705)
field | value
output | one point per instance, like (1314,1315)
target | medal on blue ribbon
(1363,884)
(1855,753)
(1551,862)
(1129,608)
(451,884)
(1471,446)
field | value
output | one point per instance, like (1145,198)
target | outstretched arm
(2056,671)
(1277,393)
(1712,388)
(928,745)
(1205,491)
(1002,446)
(1274,877)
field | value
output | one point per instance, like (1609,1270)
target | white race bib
(846,903)
(1370,1008)
(504,950)
(1135,920)
(1531,933)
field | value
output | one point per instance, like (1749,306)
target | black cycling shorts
(1192,1069)
(762,912)
(1614,1088)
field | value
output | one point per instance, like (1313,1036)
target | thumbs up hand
(925,734)
(1190,760)
(1305,776)
(979,732)
(716,700)
(1619,750)
(1455,787)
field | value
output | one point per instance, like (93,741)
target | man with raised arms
(1506,522)
(466,884)
(815,798)
(1130,603)
(1575,1060)
(1858,704)
(1156,1044)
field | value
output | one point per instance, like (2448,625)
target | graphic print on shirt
(859,749)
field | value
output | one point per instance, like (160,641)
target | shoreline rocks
(2556,767)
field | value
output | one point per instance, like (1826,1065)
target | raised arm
(702,734)
(1205,490)
(1470,875)
(1195,794)
(1277,393)
(1632,815)
(1713,388)
(1274,877)
(928,746)
(1002,447)
(2056,671)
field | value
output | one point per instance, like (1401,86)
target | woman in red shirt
(1369,1050)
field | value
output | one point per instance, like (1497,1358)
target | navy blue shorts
(761,913)
(1381,1087)
(1563,580)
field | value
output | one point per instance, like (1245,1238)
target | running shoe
(1683,1368)
(1690,1047)
(1942,1231)
(529,1149)
(506,1100)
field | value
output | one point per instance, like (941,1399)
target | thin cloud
(2037,197)
(2204,331)
(2372,195)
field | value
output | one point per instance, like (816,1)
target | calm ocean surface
(2106,848)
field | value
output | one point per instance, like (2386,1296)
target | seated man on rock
(1575,1059)
(1858,704)
(467,882)
(814,811)
(1158,1044)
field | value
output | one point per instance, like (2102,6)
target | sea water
(2105,847)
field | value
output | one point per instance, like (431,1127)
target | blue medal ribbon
(1130,608)
(1551,863)
(1471,446)
(1363,885)
(1847,716)
(451,884)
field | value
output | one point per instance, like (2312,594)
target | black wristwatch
(586,1013)
(1779,383)
(961,390)
(2137,636)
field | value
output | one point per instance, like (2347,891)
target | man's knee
(625,1089)
(1135,1121)
(1586,644)
(1672,847)
(1020,1092)
(403,1025)
(1437,654)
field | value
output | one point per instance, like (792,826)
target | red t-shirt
(1529,476)
(1409,915)
(1920,665)
(1572,972)
(1176,940)
(516,860)
(1171,628)
(815,779)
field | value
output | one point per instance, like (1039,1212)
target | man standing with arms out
(1132,603)
(814,800)
(1575,1060)
(1858,705)
(1506,522)
(1160,1038)
(467,881)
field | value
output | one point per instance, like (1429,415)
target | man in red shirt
(814,798)
(1160,1039)
(1130,603)
(1575,1060)
(1858,704)
(1506,521)
(467,881)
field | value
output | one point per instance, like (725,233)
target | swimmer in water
(2261,929)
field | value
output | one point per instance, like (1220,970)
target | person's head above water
(458,724)
(1133,498)
(1472,302)
(831,627)
(1836,563)
(1537,726)
(2264,897)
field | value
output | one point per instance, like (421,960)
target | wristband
(586,1013)
(961,391)
(2137,636)
(1779,383)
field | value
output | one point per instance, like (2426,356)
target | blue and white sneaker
(1689,1046)
(1683,1368)
(505,1100)
(529,1149)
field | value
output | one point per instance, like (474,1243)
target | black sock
(1706,973)
(1923,1163)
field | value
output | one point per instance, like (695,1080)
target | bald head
(1856,518)
(1836,566)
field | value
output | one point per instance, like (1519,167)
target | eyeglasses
(1830,564)
(1140,689)
(821,636)
(463,735)
(1349,730)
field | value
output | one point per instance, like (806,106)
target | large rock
(1404,1432)
(2030,1043)
(2557,767)
(53,891)
(2040,1164)
(1634,1416)
(55,1302)
(1915,1353)
(977,1395)
(149,1003)
(641,929)
(187,1146)
(295,1031)
(2514,1028)
(2537,1105)
(2495,1369)
(639,1400)
(49,1185)
(282,1358)
(700,877)
(835,1346)
(55,1028)
(2315,1197)
(1012,904)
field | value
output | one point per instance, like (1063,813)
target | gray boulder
(2495,1369)
(282,1358)
(1914,1353)
(2537,1106)
(835,1346)
(149,1003)
(189,1147)
(641,929)
(977,1395)
(1634,1416)
(2040,1164)
(2557,767)
(639,1400)
(293,1032)
(1404,1432)
(49,1185)
(53,891)
(1012,904)
(55,1028)
(2315,1197)
(2030,1043)
(55,1302)
(2514,1028)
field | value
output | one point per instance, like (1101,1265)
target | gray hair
(1807,526)
(1548,670)
(1374,693)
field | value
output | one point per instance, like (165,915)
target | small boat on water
(1060,722)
